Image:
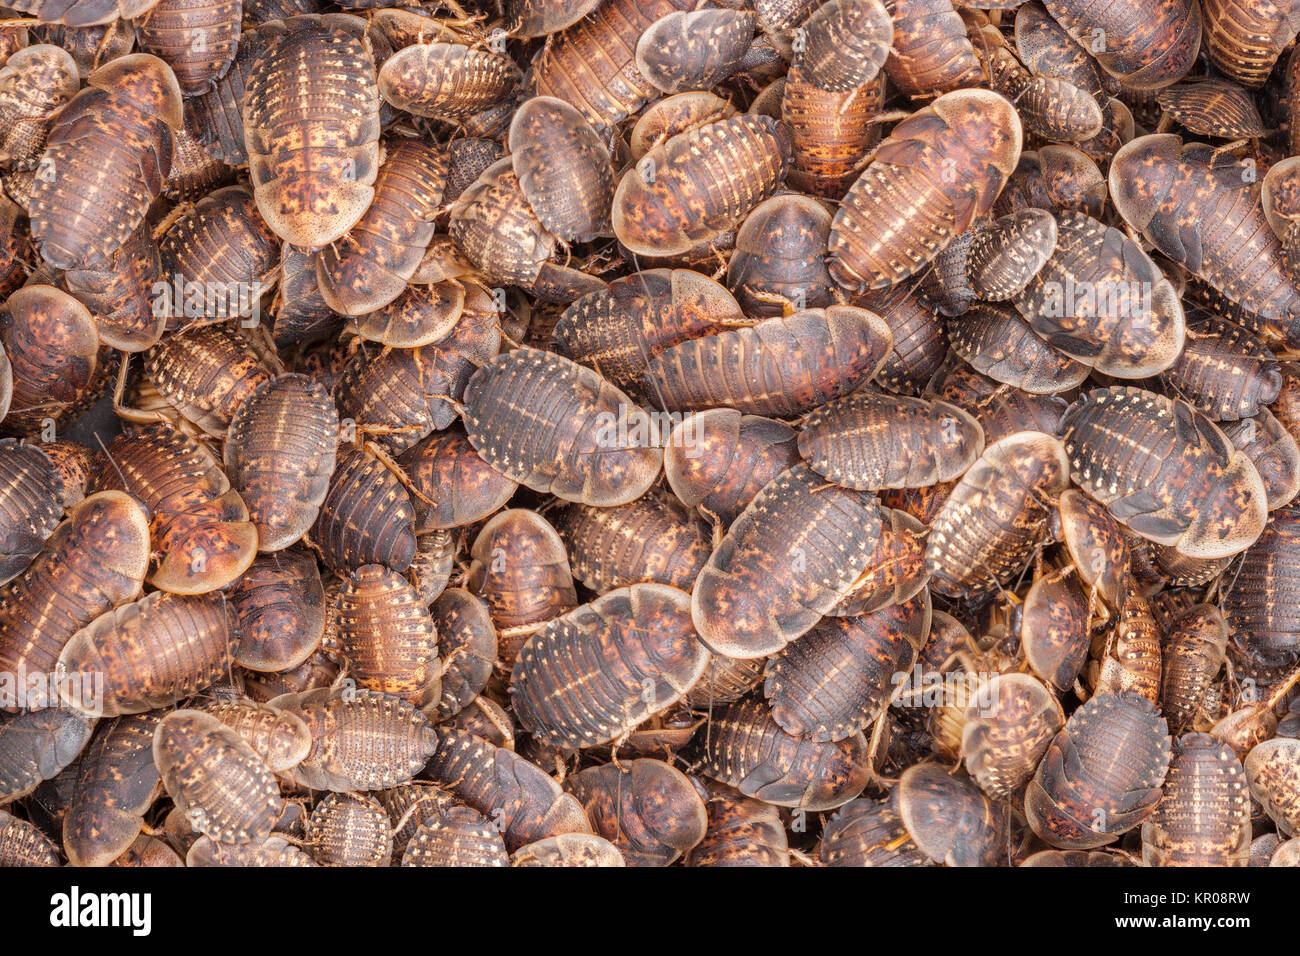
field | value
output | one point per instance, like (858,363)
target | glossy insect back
(1258,600)
(931,52)
(592,654)
(120,293)
(592,64)
(650,810)
(699,184)
(386,637)
(1245,39)
(788,559)
(458,836)
(280,603)
(844,43)
(221,245)
(650,539)
(1102,301)
(871,441)
(1006,255)
(986,531)
(748,750)
(523,802)
(1166,189)
(369,267)
(447,81)
(741,831)
(202,538)
(280,455)
(206,373)
(694,50)
(947,164)
(196,38)
(857,656)
(781,366)
(563,168)
(218,782)
(94,561)
(115,785)
(38,745)
(1099,796)
(1008,728)
(619,329)
(602,455)
(947,817)
(363,485)
(1213,107)
(311,123)
(33,493)
(866,833)
(1204,817)
(359,740)
(1224,370)
(1146,52)
(778,257)
(105,161)
(53,358)
(34,83)
(153,652)
(1165,471)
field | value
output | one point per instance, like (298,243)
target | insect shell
(648,809)
(1137,332)
(1100,797)
(217,781)
(592,64)
(592,653)
(790,557)
(871,441)
(360,740)
(154,651)
(95,560)
(569,849)
(972,149)
(650,539)
(458,836)
(931,50)
(1165,471)
(1153,52)
(106,159)
(748,750)
(865,832)
(521,800)
(116,783)
(37,745)
(312,86)
(1160,185)
(34,83)
(987,529)
(584,459)
(202,538)
(619,329)
(681,194)
(949,819)
(804,359)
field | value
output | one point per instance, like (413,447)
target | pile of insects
(649,433)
